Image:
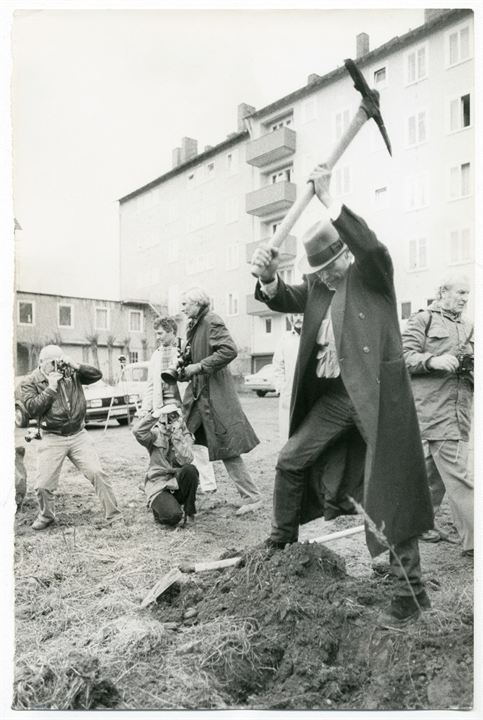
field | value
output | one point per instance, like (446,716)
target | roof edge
(233,140)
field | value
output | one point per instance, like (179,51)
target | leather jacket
(61,411)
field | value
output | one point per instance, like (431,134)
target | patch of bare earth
(291,629)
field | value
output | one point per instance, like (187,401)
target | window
(232,162)
(459,113)
(418,254)
(288,324)
(232,257)
(381,197)
(210,169)
(284,175)
(309,110)
(416,129)
(458,45)
(459,181)
(380,77)
(405,310)
(417,64)
(429,302)
(135,321)
(459,246)
(285,121)
(341,123)
(133,356)
(268,325)
(416,192)
(172,253)
(65,315)
(232,304)
(342,177)
(191,178)
(101,321)
(26,313)
(287,275)
(232,210)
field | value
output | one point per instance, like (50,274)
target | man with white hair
(53,394)
(211,405)
(438,349)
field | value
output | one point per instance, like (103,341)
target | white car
(261,382)
(115,402)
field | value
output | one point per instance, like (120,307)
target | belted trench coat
(227,432)
(381,466)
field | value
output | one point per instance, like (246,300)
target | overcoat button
(365,349)
(362,316)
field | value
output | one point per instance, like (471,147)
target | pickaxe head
(370,99)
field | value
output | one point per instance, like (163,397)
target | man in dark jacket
(212,410)
(57,399)
(353,429)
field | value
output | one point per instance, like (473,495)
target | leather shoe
(432,536)
(40,524)
(275,544)
(249,507)
(404,609)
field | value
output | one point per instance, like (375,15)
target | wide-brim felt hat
(322,246)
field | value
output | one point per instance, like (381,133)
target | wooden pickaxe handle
(359,119)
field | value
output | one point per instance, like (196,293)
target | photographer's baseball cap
(50,352)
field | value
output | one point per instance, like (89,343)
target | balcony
(288,249)
(255,307)
(271,147)
(273,198)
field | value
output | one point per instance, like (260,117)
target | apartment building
(199,223)
(89,330)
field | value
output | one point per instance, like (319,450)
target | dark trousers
(331,416)
(168,506)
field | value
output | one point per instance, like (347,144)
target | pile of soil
(291,630)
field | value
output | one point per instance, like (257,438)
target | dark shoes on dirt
(405,609)
(272,544)
(431,536)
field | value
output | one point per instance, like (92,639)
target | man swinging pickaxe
(369,108)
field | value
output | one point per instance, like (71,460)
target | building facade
(89,330)
(199,223)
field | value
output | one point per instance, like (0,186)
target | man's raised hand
(265,262)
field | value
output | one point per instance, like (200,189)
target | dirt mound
(291,630)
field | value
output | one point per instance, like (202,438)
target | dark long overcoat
(227,432)
(385,470)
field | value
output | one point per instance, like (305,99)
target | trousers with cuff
(52,450)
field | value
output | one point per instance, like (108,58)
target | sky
(101,97)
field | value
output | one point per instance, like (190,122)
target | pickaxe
(369,108)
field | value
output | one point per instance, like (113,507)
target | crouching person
(171,479)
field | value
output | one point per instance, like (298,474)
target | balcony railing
(271,147)
(276,197)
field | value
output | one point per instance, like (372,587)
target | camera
(466,365)
(176,374)
(32,434)
(63,368)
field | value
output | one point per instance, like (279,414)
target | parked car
(113,401)
(262,381)
(102,400)
(135,377)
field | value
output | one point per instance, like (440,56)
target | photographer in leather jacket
(53,394)
(438,350)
